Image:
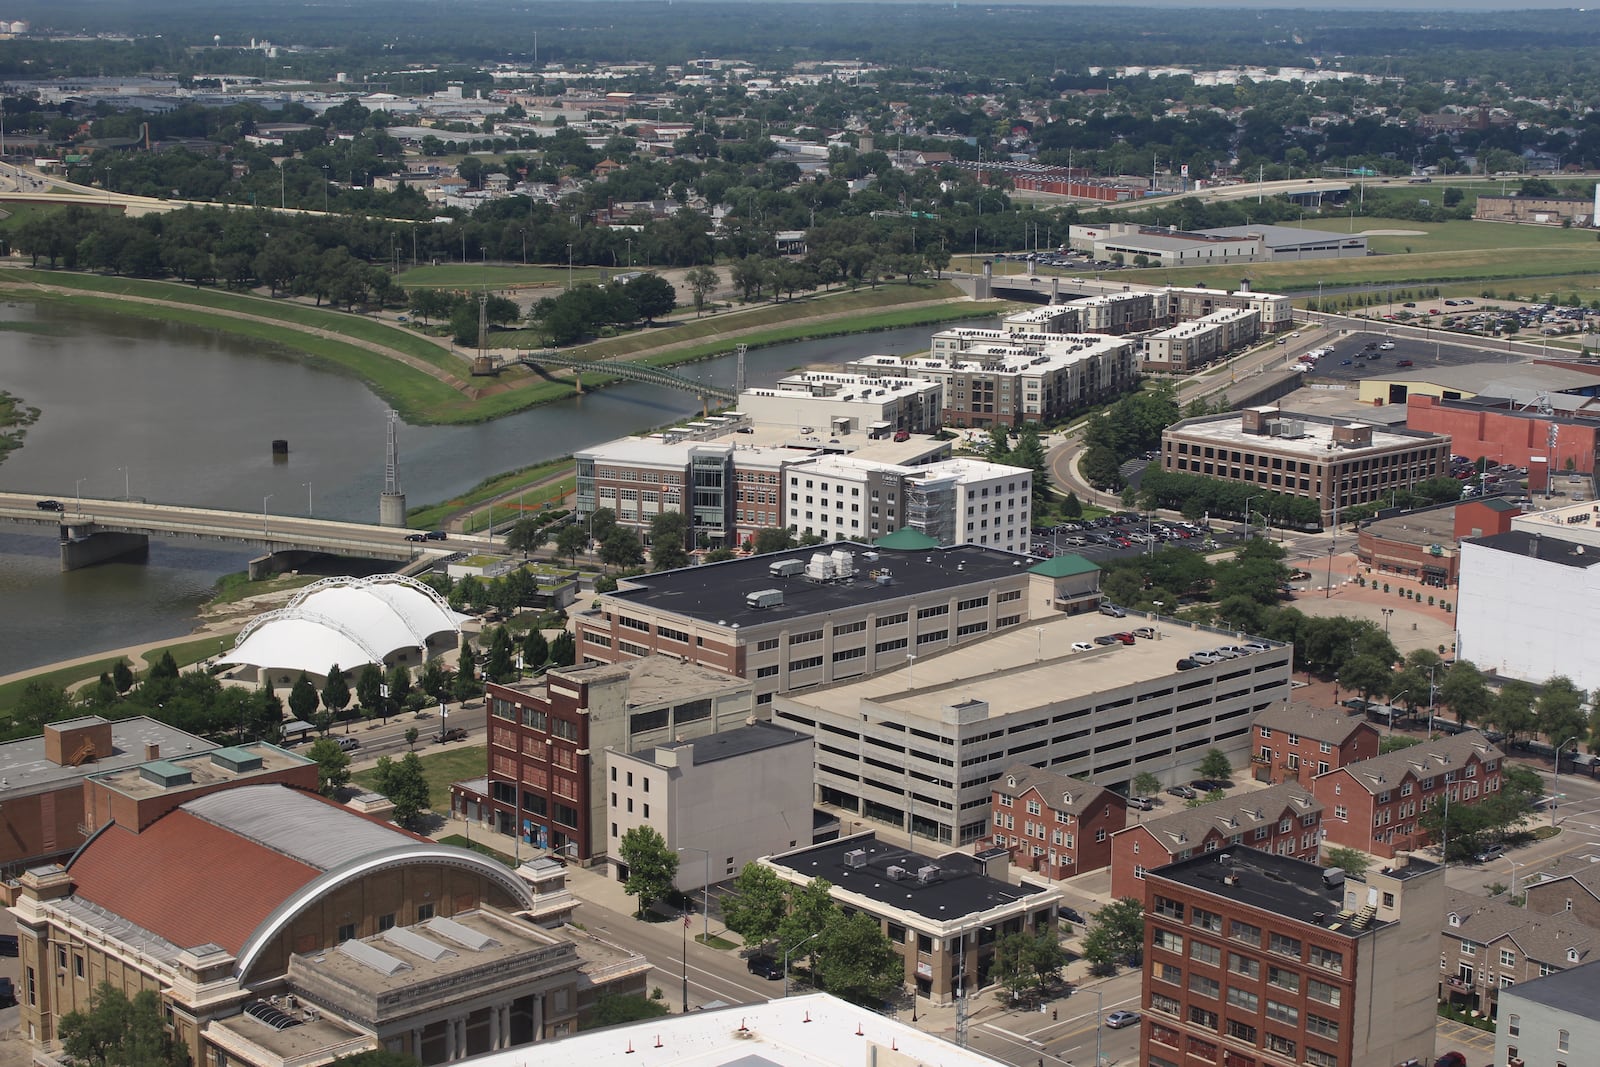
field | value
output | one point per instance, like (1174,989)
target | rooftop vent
(856,857)
(1332,877)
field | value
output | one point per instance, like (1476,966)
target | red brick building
(1282,819)
(1506,433)
(1051,824)
(1375,805)
(1296,742)
(1258,960)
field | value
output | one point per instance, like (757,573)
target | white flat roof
(1317,439)
(1054,352)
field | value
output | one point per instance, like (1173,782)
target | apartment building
(1285,820)
(545,773)
(726,798)
(943,916)
(1335,463)
(1550,1020)
(1007,381)
(843,403)
(1375,805)
(1191,345)
(1258,960)
(1275,312)
(1295,742)
(1567,885)
(1488,946)
(1052,824)
(952,502)
(921,747)
(1131,311)
(808,617)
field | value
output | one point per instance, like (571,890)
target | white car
(1082,646)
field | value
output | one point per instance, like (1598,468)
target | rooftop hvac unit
(820,569)
(897,872)
(856,857)
(764,598)
(844,563)
(785,568)
(1293,428)
(927,874)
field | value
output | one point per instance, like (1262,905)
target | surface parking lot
(1351,360)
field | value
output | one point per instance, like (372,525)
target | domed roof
(348,621)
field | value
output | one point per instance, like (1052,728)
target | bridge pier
(85,549)
(278,562)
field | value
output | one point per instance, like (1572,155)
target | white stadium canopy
(348,621)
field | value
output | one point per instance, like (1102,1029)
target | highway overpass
(94,531)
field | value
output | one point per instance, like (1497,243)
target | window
(1166,972)
(1281,1045)
(1283,979)
(1244,965)
(1328,1028)
(1284,946)
(1468,948)
(386,922)
(1163,1003)
(1172,909)
(1514,1026)
(1169,941)
(1241,1032)
(1246,932)
(1327,959)
(424,913)
(1317,1058)
(1207,920)
(1208,954)
(1243,998)
(1508,958)
(77,963)
(347,932)
(1328,994)
(1200,1017)
(1283,1013)
(1563,1039)
(1206,987)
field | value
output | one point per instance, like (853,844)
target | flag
(686,920)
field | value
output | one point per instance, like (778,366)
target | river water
(183,415)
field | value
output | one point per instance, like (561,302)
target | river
(183,415)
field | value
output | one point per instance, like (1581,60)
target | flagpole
(686,964)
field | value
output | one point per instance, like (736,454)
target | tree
(118,1032)
(614,1009)
(399,686)
(1366,675)
(1215,765)
(563,650)
(1512,710)
(164,667)
(652,866)
(369,690)
(1465,691)
(601,522)
(121,677)
(524,536)
(1352,861)
(411,737)
(1116,934)
(1011,964)
(535,649)
(333,764)
(1101,469)
(668,533)
(702,282)
(406,786)
(861,964)
(1146,784)
(1072,507)
(811,907)
(772,539)
(336,693)
(621,548)
(498,665)
(1559,710)
(571,540)
(755,905)
(39,703)
(652,296)
(1046,956)
(303,698)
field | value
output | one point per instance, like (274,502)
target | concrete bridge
(96,531)
(632,372)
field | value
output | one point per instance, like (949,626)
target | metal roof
(293,824)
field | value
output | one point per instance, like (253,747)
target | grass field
(1458,236)
(472,276)
(433,516)
(443,765)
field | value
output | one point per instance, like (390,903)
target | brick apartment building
(548,738)
(1296,742)
(1253,959)
(1375,805)
(1052,824)
(1568,886)
(1282,819)
(1487,945)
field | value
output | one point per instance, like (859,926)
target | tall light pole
(569,266)
(705,892)
(126,492)
(78,492)
(326,180)
(1392,701)
(309,513)
(1247,513)
(264,514)
(787,952)
(1555,779)
(1386,613)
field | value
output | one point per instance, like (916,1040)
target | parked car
(1146,632)
(1205,659)
(902,435)
(1108,608)
(765,967)
(1125,638)
(454,733)
(1141,803)
(1072,915)
(1187,664)
(1451,1059)
(1208,785)
(1106,639)
(1082,646)
(1186,792)
(1118,1019)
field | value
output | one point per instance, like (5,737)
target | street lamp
(1386,613)
(786,954)
(705,891)
(126,492)
(78,492)
(1099,1008)
(1392,701)
(264,514)
(569,266)
(1247,513)
(309,513)
(325,183)
(1555,779)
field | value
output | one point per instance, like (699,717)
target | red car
(1126,639)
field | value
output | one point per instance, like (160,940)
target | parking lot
(1351,359)
(1127,534)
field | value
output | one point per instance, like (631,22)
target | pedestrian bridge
(95,531)
(630,372)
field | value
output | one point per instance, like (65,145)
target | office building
(1295,742)
(1376,805)
(1335,463)
(545,777)
(1053,825)
(952,502)
(1530,598)
(1006,381)
(1283,819)
(810,616)
(943,916)
(726,799)
(1487,946)
(278,929)
(1551,1020)
(921,747)
(1255,960)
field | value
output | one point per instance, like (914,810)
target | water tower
(392,504)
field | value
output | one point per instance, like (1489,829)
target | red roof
(187,880)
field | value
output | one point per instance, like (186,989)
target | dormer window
(1011,780)
(1455,919)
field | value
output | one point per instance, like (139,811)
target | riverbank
(15,418)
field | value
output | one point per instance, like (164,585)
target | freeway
(84,516)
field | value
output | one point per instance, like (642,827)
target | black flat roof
(959,887)
(1575,991)
(715,593)
(740,741)
(1285,887)
(1541,546)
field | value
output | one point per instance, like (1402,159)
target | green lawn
(1457,236)
(431,517)
(474,276)
(441,765)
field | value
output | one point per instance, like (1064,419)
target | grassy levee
(1457,236)
(431,516)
